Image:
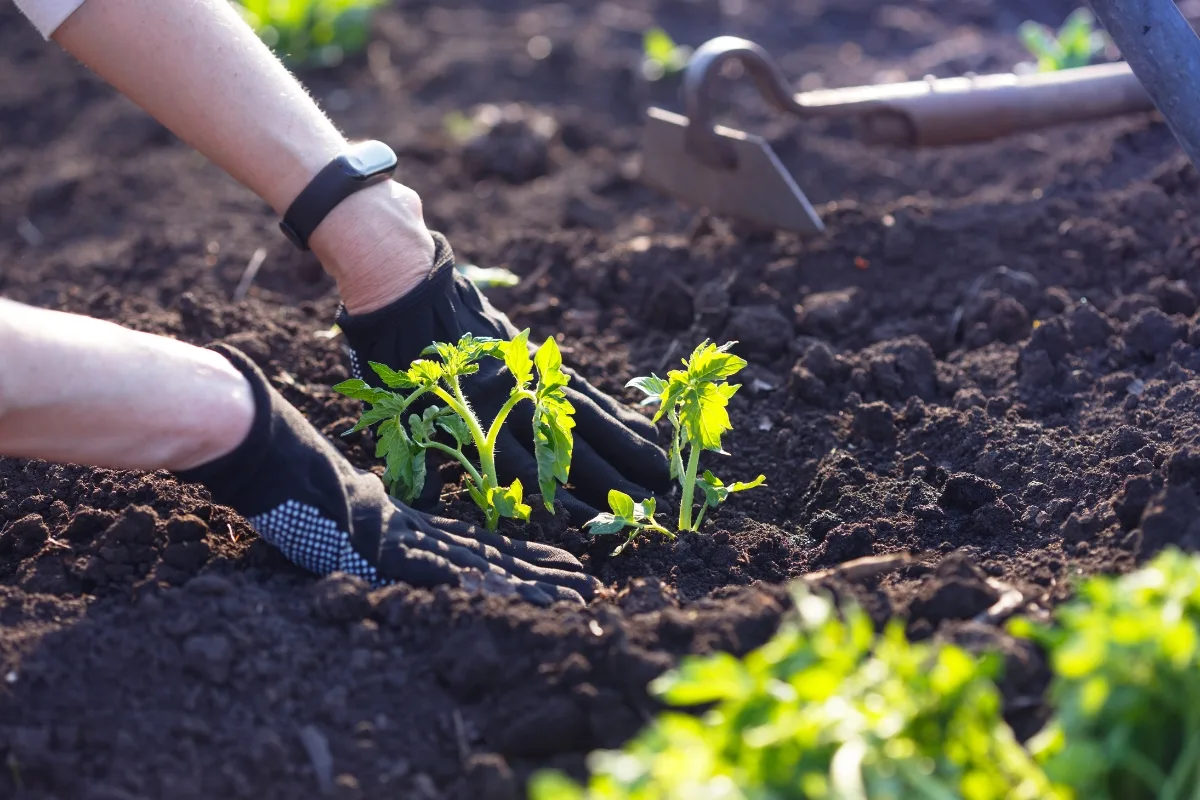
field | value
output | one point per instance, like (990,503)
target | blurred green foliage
(826,710)
(311,33)
(1125,657)
(1075,44)
(661,56)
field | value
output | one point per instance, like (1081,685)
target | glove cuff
(226,477)
(356,325)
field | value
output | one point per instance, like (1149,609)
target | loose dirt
(990,361)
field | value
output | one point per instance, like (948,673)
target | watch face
(368,159)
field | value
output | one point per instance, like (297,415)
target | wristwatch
(361,165)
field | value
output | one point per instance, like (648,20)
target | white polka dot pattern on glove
(311,540)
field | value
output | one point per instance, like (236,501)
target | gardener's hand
(614,447)
(302,496)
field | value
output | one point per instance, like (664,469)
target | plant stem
(494,432)
(458,456)
(460,406)
(689,487)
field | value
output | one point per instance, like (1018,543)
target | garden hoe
(737,174)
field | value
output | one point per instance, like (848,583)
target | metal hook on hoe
(738,175)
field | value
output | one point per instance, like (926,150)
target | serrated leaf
(507,500)
(390,377)
(454,425)
(709,362)
(423,372)
(553,423)
(604,524)
(518,360)
(677,385)
(405,461)
(651,385)
(359,389)
(423,426)
(703,416)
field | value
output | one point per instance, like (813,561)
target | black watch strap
(362,165)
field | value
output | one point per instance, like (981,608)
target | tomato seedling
(403,444)
(626,514)
(695,400)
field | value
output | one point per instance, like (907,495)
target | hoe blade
(759,190)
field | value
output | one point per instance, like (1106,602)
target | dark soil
(992,355)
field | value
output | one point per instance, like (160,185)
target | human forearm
(78,390)
(198,68)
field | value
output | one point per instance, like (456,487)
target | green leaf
(553,423)
(605,523)
(703,415)
(642,510)
(652,386)
(405,473)
(425,373)
(518,360)
(548,359)
(391,378)
(423,427)
(709,362)
(456,426)
(621,504)
(507,500)
(361,390)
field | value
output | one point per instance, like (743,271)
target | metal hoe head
(728,172)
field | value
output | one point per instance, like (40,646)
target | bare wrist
(375,246)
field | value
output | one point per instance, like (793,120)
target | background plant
(824,710)
(311,32)
(695,400)
(1125,657)
(1075,44)
(405,436)
(661,56)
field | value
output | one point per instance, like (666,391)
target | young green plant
(311,32)
(695,400)
(1075,44)
(625,513)
(405,436)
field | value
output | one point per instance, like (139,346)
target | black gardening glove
(304,497)
(614,446)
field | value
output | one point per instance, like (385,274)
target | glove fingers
(641,460)
(559,594)
(636,422)
(541,555)
(515,461)
(468,552)
(403,558)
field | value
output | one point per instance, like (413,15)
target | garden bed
(991,353)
